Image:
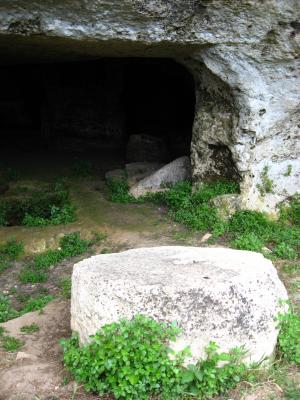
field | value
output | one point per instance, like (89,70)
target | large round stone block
(215,294)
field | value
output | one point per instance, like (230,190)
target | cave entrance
(94,107)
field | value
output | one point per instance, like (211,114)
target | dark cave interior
(96,105)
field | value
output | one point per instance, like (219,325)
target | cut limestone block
(170,174)
(139,170)
(118,174)
(215,294)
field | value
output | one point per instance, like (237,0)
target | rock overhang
(244,58)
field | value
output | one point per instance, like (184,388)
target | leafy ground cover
(245,230)
(37,269)
(130,359)
(49,206)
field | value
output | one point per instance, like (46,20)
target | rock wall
(244,56)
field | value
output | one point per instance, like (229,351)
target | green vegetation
(288,171)
(248,241)
(245,230)
(291,213)
(291,269)
(193,208)
(29,275)
(37,272)
(65,285)
(207,378)
(37,303)
(11,344)
(292,390)
(130,359)
(251,230)
(30,328)
(267,185)
(70,245)
(11,250)
(7,312)
(118,191)
(289,335)
(50,206)
(4,265)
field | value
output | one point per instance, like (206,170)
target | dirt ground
(36,371)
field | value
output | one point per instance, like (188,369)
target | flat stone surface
(172,173)
(215,294)
(139,170)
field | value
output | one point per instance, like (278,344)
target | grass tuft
(30,328)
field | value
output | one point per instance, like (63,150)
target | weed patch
(10,343)
(289,335)
(207,378)
(29,275)
(70,245)
(246,230)
(291,212)
(266,185)
(11,250)
(65,285)
(29,328)
(248,241)
(130,359)
(193,208)
(291,269)
(6,310)
(252,230)
(50,206)
(118,191)
(35,304)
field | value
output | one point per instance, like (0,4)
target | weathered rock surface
(224,295)
(244,56)
(141,148)
(115,174)
(174,172)
(140,170)
(227,205)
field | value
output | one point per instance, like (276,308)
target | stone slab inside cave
(95,106)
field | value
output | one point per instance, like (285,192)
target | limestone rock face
(174,172)
(244,56)
(222,295)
